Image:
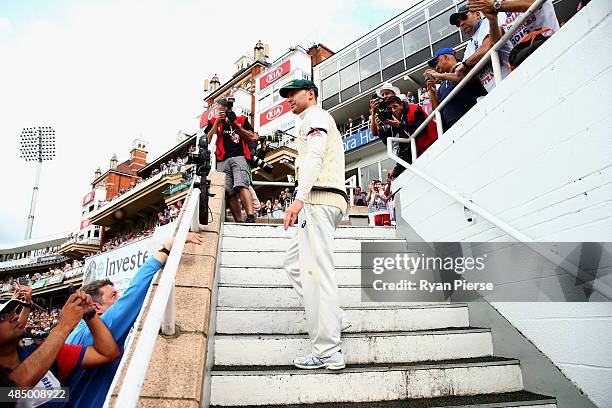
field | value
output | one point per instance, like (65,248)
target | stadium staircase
(398,355)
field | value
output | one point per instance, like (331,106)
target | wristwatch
(497,5)
(164,250)
(89,315)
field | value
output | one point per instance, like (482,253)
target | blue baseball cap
(441,51)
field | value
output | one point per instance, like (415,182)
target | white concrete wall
(537,152)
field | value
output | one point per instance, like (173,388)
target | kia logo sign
(208,116)
(212,113)
(273,75)
(274,112)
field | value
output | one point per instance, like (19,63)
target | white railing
(436,113)
(162,312)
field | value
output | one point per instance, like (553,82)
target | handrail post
(496,66)
(168,324)
(212,147)
(439,126)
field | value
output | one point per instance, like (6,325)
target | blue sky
(103,73)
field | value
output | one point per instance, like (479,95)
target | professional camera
(229,113)
(258,159)
(274,138)
(203,166)
(384,111)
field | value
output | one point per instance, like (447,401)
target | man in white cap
(320,202)
(387,90)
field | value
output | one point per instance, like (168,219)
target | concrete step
(275,259)
(275,231)
(516,399)
(261,296)
(242,275)
(358,348)
(373,319)
(253,385)
(231,243)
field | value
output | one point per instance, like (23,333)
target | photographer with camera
(393,117)
(234,133)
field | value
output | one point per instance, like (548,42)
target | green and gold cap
(298,84)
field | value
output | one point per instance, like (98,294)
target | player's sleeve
(69,358)
(316,129)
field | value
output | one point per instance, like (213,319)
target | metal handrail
(162,312)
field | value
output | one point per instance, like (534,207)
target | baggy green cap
(298,84)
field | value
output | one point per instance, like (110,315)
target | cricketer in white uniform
(318,208)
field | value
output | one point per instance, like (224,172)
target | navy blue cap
(441,51)
(455,16)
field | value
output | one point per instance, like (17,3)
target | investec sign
(274,74)
(274,113)
(121,264)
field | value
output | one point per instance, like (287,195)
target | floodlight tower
(37,144)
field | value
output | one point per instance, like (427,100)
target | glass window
(391,52)
(439,6)
(96,233)
(386,167)
(330,86)
(367,47)
(329,69)
(349,76)
(439,26)
(369,65)
(367,174)
(413,21)
(416,39)
(348,58)
(389,34)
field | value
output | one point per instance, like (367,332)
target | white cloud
(108,72)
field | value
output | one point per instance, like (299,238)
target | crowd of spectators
(170,167)
(69,269)
(275,207)
(379,200)
(170,214)
(40,322)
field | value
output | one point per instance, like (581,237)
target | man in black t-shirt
(445,62)
(233,152)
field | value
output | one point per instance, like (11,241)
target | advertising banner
(121,264)
(89,197)
(39,284)
(358,139)
(208,115)
(274,113)
(274,74)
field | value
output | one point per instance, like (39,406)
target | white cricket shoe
(334,361)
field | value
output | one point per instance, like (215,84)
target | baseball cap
(387,86)
(441,51)
(298,84)
(11,305)
(454,18)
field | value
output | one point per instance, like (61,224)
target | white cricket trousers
(309,263)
